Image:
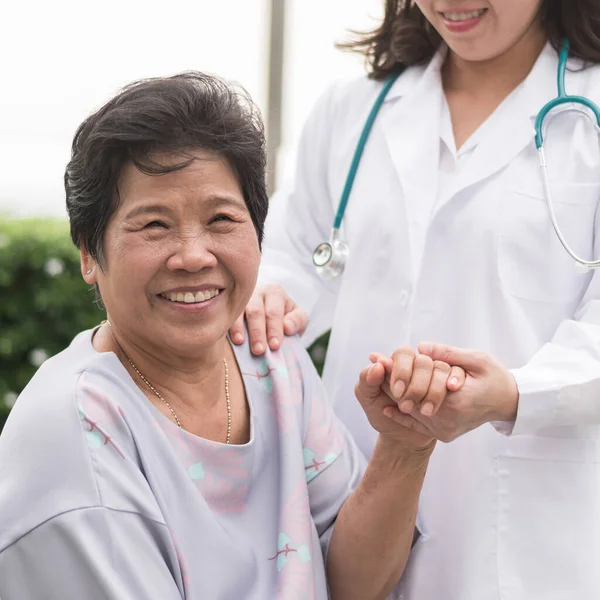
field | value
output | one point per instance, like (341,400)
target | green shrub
(44,301)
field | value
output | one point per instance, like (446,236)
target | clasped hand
(440,393)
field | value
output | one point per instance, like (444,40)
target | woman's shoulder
(343,107)
(46,447)
(356,92)
(53,395)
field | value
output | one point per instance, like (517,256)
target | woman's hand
(489,393)
(426,382)
(270,314)
(418,382)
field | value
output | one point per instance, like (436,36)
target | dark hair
(173,115)
(406,38)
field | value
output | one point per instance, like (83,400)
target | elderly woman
(151,459)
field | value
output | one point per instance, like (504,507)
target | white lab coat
(505,513)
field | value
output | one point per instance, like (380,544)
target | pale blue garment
(103,497)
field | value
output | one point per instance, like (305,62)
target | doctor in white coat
(451,242)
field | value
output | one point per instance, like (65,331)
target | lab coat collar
(512,129)
(410,125)
(410,79)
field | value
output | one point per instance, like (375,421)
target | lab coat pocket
(532,263)
(547,510)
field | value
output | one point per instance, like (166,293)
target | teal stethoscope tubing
(562,98)
(360,148)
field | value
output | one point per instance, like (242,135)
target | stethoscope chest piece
(330,257)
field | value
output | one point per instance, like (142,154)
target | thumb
(470,360)
(369,383)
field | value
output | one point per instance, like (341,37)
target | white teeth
(464,16)
(191,298)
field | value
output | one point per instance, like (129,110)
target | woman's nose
(193,253)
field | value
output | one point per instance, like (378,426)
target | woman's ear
(88,267)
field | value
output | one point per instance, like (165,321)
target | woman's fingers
(368,388)
(419,384)
(437,389)
(407,421)
(427,381)
(402,371)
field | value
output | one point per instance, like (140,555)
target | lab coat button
(404,298)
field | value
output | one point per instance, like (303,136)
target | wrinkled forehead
(197,176)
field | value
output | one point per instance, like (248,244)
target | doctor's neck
(498,75)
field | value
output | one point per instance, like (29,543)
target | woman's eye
(222,218)
(154,225)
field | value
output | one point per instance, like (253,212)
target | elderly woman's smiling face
(181,255)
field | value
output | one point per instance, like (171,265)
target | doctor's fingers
(256,321)
(295,320)
(456,379)
(238,331)
(275,309)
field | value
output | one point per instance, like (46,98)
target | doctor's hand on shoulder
(270,314)
(424,381)
(489,394)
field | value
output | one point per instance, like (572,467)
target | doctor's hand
(270,314)
(489,393)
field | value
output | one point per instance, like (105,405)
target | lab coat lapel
(513,131)
(411,130)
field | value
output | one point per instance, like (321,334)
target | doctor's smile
(462,20)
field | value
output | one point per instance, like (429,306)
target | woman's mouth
(458,21)
(458,17)
(191,297)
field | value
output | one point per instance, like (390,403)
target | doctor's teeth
(190,297)
(464,16)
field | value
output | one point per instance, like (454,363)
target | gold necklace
(159,395)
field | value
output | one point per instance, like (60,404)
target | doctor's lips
(192,295)
(460,21)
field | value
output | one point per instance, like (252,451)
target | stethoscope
(330,257)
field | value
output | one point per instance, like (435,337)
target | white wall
(61,59)
(312,61)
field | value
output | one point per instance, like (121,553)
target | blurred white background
(62,59)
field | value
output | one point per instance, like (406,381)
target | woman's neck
(474,90)
(499,75)
(192,385)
